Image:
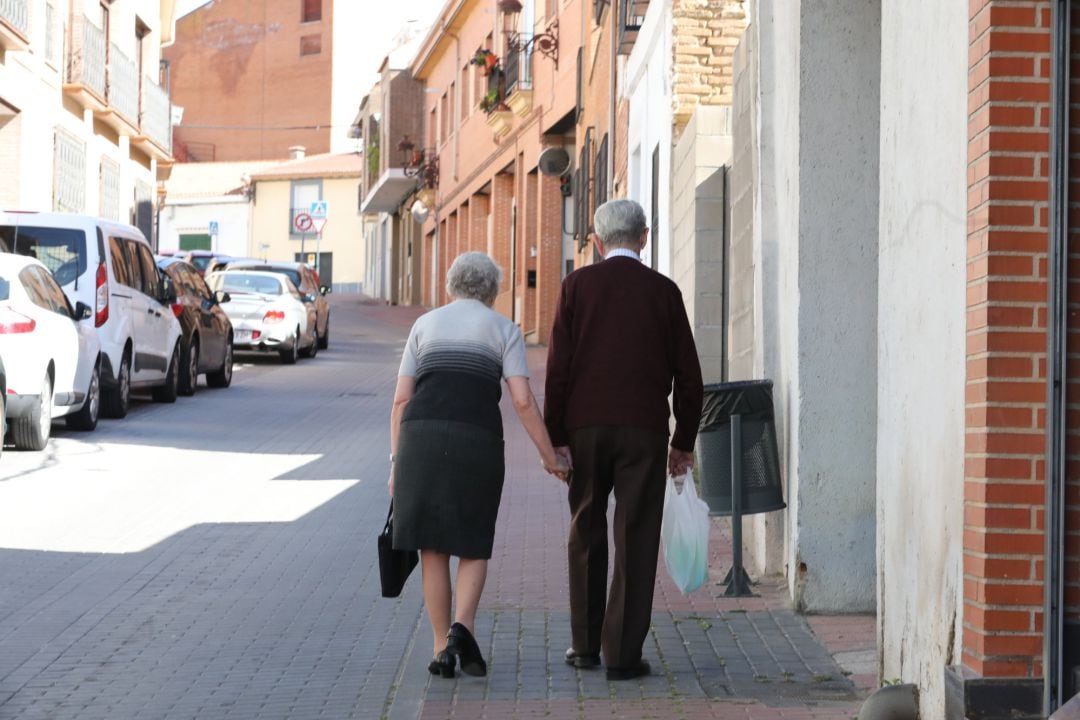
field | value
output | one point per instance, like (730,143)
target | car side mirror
(222,297)
(168,291)
(83,311)
(325,289)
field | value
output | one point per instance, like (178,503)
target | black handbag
(394,565)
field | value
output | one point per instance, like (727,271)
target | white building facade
(85,116)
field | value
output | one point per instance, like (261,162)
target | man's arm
(557,382)
(687,390)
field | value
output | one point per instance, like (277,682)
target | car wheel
(115,401)
(87,417)
(223,377)
(167,393)
(32,431)
(313,349)
(288,357)
(189,378)
(324,339)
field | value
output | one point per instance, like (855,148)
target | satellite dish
(554,162)
(419,211)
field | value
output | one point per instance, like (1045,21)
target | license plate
(243,336)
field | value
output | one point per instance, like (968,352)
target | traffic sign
(213,228)
(318,209)
(303,223)
(319,223)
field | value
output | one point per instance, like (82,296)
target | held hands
(561,466)
(679,462)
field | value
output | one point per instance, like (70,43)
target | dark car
(206,344)
(307,282)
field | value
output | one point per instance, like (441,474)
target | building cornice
(453,16)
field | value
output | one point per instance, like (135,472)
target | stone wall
(705,35)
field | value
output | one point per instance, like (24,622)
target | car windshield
(201,261)
(293,275)
(62,250)
(241,283)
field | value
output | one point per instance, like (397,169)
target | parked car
(206,345)
(307,282)
(267,313)
(200,259)
(53,360)
(110,268)
(3,405)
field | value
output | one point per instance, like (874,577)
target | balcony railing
(519,67)
(16,13)
(156,119)
(631,18)
(86,67)
(123,85)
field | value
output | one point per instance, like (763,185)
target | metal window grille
(53,38)
(583,214)
(17,13)
(109,189)
(579,105)
(69,172)
(600,173)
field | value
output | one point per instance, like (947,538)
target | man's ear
(598,242)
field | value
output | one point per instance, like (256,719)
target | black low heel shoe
(442,665)
(460,642)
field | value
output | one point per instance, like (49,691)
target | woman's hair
(620,222)
(474,276)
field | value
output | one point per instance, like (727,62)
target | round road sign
(303,222)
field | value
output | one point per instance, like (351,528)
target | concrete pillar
(501,203)
(528,215)
(549,254)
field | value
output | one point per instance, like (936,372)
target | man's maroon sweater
(620,344)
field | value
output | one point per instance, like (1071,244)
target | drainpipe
(1057,282)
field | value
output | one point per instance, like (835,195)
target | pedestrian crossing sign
(318,209)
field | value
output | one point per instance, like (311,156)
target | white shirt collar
(622,252)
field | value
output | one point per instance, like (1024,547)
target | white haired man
(620,344)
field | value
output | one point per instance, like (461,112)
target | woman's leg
(471,575)
(436,575)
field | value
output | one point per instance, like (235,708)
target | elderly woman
(446,448)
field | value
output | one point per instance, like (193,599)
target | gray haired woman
(446,448)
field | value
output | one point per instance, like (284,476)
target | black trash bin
(761,489)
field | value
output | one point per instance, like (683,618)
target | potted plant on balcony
(486,60)
(499,116)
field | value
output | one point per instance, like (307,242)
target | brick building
(500,89)
(256,77)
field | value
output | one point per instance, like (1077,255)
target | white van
(109,267)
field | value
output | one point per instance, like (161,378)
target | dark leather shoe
(582,660)
(460,642)
(442,665)
(639,669)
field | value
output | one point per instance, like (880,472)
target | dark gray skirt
(448,479)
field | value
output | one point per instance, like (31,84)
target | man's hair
(619,222)
(474,276)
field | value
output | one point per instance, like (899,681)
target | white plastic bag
(685,533)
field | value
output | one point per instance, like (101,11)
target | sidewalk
(712,657)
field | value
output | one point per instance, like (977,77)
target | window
(310,45)
(54,36)
(131,256)
(303,193)
(57,301)
(450,115)
(62,251)
(654,232)
(32,285)
(151,280)
(464,103)
(444,119)
(310,10)
(579,105)
(600,173)
(433,128)
(582,214)
(69,172)
(109,189)
(120,270)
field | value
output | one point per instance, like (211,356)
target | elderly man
(620,344)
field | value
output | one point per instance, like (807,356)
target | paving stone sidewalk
(713,657)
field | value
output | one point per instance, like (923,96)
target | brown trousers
(633,463)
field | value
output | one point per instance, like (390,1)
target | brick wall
(502,199)
(549,254)
(1072,468)
(706,33)
(1006,339)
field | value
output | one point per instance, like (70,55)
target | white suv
(110,268)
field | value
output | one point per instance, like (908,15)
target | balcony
(519,93)
(14,24)
(631,18)
(122,112)
(85,80)
(155,122)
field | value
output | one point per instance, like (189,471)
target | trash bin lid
(743,397)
